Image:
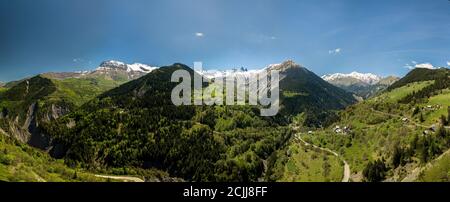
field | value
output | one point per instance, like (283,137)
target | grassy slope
(308,165)
(398,93)
(375,134)
(19,162)
(442,99)
(22,163)
(80,90)
(69,93)
(439,171)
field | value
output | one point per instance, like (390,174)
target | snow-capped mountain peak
(368,78)
(117,65)
(243,72)
(210,74)
(140,67)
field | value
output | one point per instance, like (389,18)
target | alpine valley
(117,123)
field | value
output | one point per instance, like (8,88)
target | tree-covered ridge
(137,125)
(427,92)
(302,91)
(47,94)
(421,74)
(22,163)
(16,100)
(26,104)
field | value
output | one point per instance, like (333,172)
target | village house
(337,129)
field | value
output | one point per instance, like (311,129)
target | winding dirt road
(346,177)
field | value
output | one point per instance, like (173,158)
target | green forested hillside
(304,163)
(421,74)
(26,104)
(438,170)
(394,135)
(48,93)
(302,91)
(92,125)
(137,125)
(22,163)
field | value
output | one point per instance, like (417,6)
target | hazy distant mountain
(118,69)
(388,80)
(352,78)
(237,72)
(112,69)
(362,84)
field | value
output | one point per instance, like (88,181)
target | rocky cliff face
(36,116)
(28,131)
(11,129)
(56,111)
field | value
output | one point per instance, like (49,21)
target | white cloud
(199,34)
(335,51)
(415,64)
(425,65)
(448,63)
(76,60)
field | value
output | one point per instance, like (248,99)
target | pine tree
(397,156)
(416,111)
(444,121)
(375,171)
(75,175)
(5,112)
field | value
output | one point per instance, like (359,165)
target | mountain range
(45,97)
(119,119)
(363,85)
(112,70)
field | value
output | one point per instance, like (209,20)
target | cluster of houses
(432,107)
(341,130)
(433,128)
(338,130)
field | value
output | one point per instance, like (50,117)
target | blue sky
(380,36)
